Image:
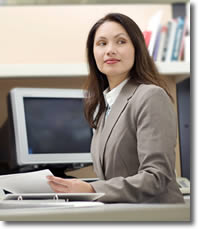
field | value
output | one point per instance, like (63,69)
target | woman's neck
(114,82)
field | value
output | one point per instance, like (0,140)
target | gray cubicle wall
(183,102)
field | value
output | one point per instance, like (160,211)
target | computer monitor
(49,126)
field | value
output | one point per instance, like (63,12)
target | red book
(147,37)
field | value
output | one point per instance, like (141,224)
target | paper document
(32,189)
(31,182)
(12,204)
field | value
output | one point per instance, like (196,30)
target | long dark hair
(143,71)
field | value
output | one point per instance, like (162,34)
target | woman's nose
(111,50)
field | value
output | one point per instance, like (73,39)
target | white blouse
(110,96)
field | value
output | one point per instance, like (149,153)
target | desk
(107,212)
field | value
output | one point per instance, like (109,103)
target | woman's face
(113,51)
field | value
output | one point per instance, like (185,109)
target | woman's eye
(101,43)
(121,42)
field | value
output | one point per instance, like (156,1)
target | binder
(49,200)
(55,196)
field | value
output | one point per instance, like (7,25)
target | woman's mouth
(112,61)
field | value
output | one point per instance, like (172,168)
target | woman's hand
(61,185)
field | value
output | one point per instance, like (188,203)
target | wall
(57,34)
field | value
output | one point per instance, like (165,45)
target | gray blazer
(133,149)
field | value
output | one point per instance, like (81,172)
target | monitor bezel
(23,157)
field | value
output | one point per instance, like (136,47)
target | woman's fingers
(69,185)
(59,180)
(58,187)
(59,184)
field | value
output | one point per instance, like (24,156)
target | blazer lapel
(116,110)
(97,152)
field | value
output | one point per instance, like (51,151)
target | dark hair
(143,71)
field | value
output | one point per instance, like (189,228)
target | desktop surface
(106,212)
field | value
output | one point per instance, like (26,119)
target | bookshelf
(179,70)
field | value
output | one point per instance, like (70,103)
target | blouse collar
(111,96)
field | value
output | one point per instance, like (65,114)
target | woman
(131,111)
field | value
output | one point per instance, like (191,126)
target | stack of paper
(30,190)
(32,182)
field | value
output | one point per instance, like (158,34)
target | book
(147,37)
(171,39)
(153,26)
(177,39)
(185,31)
(157,42)
(163,35)
(165,48)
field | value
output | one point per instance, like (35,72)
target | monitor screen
(56,125)
(50,126)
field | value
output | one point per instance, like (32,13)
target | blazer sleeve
(156,139)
